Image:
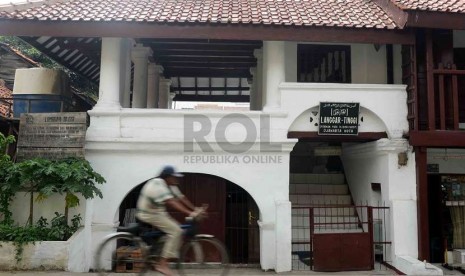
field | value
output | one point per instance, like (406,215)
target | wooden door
(211,190)
(253,232)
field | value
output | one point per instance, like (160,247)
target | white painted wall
(129,146)
(377,162)
(383,106)
(151,138)
(47,208)
(144,140)
(41,81)
(47,255)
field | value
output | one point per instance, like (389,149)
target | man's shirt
(154,194)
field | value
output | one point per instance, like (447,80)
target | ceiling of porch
(200,69)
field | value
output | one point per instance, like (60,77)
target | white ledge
(136,112)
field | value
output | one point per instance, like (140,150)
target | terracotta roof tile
(5,104)
(340,13)
(455,6)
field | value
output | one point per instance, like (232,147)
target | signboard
(338,118)
(432,168)
(51,135)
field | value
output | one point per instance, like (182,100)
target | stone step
(304,221)
(316,178)
(320,199)
(334,231)
(346,211)
(324,189)
(303,234)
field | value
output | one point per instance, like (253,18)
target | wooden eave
(204,31)
(436,20)
(444,138)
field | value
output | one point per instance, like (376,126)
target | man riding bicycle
(156,194)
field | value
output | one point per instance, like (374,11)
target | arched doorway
(232,213)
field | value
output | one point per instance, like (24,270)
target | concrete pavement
(237,271)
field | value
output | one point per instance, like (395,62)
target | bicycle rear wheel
(207,254)
(121,252)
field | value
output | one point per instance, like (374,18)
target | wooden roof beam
(182,59)
(436,20)
(205,72)
(212,98)
(205,31)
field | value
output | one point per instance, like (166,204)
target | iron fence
(308,221)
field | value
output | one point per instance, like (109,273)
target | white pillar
(164,93)
(283,236)
(159,72)
(253,89)
(152,85)
(111,69)
(170,102)
(125,95)
(140,56)
(258,79)
(274,72)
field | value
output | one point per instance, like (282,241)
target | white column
(140,56)
(112,59)
(253,89)
(125,95)
(258,79)
(283,236)
(152,89)
(274,72)
(159,72)
(170,102)
(164,93)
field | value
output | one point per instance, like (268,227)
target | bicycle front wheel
(207,254)
(121,252)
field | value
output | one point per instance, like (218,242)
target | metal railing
(314,219)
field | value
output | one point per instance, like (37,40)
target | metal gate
(340,237)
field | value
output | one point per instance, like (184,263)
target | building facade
(290,60)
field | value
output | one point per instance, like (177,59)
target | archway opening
(232,213)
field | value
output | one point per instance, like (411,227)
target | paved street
(237,271)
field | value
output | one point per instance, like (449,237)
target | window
(323,63)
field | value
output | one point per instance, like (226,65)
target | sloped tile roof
(333,13)
(455,6)
(5,104)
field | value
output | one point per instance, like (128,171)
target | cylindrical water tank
(40,90)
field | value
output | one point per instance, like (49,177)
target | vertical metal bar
(370,231)
(442,100)
(384,233)
(380,231)
(430,80)
(312,225)
(455,99)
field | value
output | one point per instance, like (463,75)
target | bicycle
(144,244)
